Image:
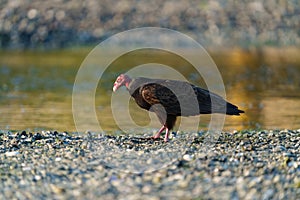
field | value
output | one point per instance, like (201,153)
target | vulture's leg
(167,135)
(157,135)
(171,119)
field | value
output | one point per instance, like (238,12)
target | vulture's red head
(123,79)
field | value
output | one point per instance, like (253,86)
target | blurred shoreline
(43,25)
(265,54)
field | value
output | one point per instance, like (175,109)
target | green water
(36,88)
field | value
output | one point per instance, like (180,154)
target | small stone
(146,189)
(276,179)
(26,168)
(11,153)
(280,148)
(226,173)
(188,157)
(60,15)
(32,13)
(184,183)
(37,177)
(116,183)
(57,159)
(268,194)
(57,189)
(156,179)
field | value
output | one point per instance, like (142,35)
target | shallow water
(36,88)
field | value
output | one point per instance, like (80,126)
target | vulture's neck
(127,83)
(136,83)
(132,86)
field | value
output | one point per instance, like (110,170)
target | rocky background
(63,23)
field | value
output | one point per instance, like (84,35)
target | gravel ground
(236,165)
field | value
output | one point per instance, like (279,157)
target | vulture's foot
(157,135)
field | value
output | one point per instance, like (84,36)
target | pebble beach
(234,165)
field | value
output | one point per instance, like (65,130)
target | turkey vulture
(170,98)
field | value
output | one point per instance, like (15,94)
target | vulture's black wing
(206,99)
(182,98)
(177,97)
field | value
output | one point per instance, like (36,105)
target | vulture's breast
(140,100)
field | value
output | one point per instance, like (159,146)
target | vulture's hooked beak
(115,87)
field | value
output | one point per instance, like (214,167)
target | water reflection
(36,89)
